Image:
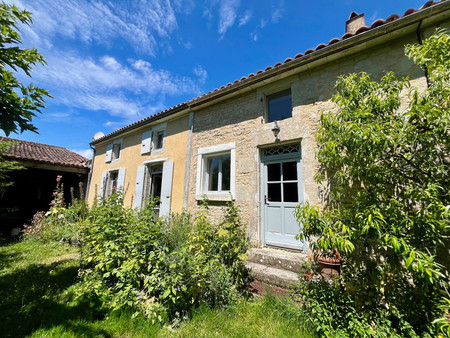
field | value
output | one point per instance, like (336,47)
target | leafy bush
(388,210)
(61,222)
(161,268)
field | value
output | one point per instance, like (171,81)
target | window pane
(225,173)
(274,192)
(273,172)
(290,191)
(213,170)
(159,140)
(280,106)
(289,171)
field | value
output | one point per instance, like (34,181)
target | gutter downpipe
(88,186)
(187,170)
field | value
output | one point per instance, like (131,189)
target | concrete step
(274,276)
(279,259)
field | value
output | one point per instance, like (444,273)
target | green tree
(387,169)
(6,167)
(19,103)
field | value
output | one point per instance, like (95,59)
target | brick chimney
(354,22)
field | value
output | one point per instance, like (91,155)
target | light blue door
(282,192)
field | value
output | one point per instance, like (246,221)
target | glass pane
(280,106)
(274,192)
(290,191)
(156,185)
(289,171)
(213,170)
(273,172)
(159,140)
(225,173)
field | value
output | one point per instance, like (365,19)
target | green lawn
(38,298)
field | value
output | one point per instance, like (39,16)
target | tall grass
(39,297)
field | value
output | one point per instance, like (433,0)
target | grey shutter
(146,145)
(103,184)
(109,149)
(121,179)
(166,188)
(140,183)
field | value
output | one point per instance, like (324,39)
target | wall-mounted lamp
(276,130)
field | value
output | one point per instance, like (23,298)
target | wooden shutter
(109,150)
(140,183)
(166,188)
(103,184)
(121,179)
(146,145)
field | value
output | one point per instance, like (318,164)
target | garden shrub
(62,222)
(161,268)
(388,174)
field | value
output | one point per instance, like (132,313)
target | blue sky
(110,63)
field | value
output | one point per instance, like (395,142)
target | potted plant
(329,263)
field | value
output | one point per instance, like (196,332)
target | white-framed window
(159,139)
(216,167)
(112,180)
(153,140)
(113,151)
(154,180)
(279,106)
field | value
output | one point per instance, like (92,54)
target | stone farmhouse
(252,141)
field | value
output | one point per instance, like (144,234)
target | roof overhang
(405,25)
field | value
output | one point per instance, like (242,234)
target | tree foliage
(19,103)
(6,167)
(386,162)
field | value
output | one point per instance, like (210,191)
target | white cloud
(262,23)
(254,36)
(140,23)
(188,45)
(245,18)
(126,90)
(277,13)
(227,15)
(84,152)
(201,73)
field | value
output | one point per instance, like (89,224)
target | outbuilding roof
(44,153)
(179,107)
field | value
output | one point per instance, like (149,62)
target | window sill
(227,197)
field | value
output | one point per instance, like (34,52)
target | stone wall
(241,120)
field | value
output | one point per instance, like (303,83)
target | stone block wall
(241,120)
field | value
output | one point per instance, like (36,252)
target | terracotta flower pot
(330,267)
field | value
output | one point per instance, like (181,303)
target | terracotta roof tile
(39,152)
(322,45)
(375,24)
(409,11)
(333,41)
(392,18)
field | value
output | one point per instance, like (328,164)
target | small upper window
(159,139)
(279,106)
(116,151)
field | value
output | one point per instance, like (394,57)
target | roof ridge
(31,142)
(375,24)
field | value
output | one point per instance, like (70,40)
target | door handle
(265,199)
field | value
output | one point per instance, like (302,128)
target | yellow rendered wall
(175,148)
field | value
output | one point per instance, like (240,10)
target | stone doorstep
(279,259)
(282,278)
